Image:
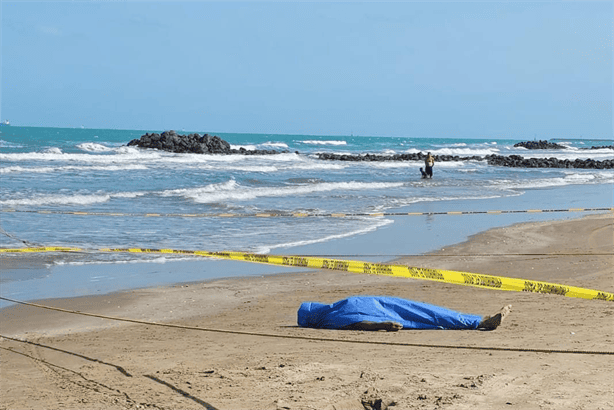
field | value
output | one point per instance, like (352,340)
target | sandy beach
(56,360)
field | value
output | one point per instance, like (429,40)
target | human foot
(492,322)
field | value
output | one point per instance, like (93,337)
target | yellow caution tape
(439,275)
(301,214)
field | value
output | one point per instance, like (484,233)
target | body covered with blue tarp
(411,314)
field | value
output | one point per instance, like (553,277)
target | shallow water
(92,171)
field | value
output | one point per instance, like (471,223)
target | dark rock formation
(396,157)
(206,144)
(539,145)
(192,143)
(520,162)
(497,160)
(601,147)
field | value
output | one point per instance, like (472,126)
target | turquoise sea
(48,174)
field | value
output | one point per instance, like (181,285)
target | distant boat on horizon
(5,123)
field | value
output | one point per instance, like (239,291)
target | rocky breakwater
(497,160)
(601,147)
(396,157)
(516,161)
(192,143)
(539,145)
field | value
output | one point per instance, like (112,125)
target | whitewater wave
(275,144)
(316,165)
(123,154)
(53,150)
(466,152)
(372,227)
(43,170)
(461,152)
(7,144)
(250,169)
(78,199)
(40,200)
(403,202)
(93,147)
(275,168)
(9,170)
(160,259)
(325,142)
(263,146)
(246,147)
(571,154)
(571,178)
(232,191)
(416,164)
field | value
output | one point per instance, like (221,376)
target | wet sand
(78,362)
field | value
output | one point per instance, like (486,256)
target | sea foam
(232,191)
(93,147)
(325,142)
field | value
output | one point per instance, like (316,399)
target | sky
(406,68)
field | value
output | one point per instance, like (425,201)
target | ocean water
(92,171)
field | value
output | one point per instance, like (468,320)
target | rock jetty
(515,161)
(206,144)
(539,145)
(193,143)
(419,156)
(601,147)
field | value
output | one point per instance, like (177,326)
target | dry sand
(75,362)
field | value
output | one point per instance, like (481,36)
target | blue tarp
(412,315)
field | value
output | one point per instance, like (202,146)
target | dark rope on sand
(318,339)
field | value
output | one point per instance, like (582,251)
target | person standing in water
(429,161)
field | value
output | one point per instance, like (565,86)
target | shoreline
(448,258)
(242,371)
(407,235)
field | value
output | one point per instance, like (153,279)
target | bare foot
(492,322)
(366,325)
